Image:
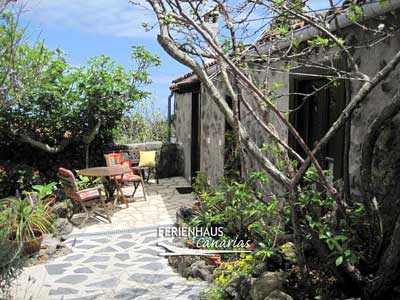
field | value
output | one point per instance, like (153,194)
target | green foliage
(200,184)
(214,293)
(337,238)
(85,182)
(45,190)
(325,42)
(231,155)
(11,261)
(355,12)
(49,100)
(227,270)
(282,22)
(17,177)
(233,204)
(240,210)
(22,219)
(144,124)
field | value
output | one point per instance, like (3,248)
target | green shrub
(214,293)
(11,261)
(234,205)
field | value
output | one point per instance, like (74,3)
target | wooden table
(109,172)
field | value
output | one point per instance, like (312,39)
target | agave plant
(24,220)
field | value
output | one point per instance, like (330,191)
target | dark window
(232,164)
(314,116)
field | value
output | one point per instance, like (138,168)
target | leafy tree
(48,103)
(271,39)
(144,124)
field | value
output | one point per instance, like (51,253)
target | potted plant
(26,224)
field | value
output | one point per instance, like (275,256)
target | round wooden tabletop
(105,171)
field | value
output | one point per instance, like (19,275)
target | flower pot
(31,246)
(214,260)
(196,206)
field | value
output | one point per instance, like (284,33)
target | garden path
(118,260)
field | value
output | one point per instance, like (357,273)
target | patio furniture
(147,161)
(134,176)
(107,174)
(90,199)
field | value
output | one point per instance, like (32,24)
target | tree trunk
(390,261)
(43,146)
(88,139)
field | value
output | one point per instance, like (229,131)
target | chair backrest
(113,159)
(68,179)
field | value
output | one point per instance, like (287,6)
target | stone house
(200,127)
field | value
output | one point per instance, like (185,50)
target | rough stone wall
(169,157)
(371,60)
(183,128)
(212,138)
(265,76)
(386,161)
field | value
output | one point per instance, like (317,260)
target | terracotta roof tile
(189,77)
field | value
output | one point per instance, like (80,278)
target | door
(195,136)
(312,118)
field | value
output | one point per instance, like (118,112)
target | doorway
(195,136)
(312,118)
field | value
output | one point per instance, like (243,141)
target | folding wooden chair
(118,159)
(90,199)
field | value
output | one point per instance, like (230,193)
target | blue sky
(86,28)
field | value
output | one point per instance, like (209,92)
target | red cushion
(88,194)
(66,173)
(128,177)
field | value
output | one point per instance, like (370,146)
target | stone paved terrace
(118,260)
(162,201)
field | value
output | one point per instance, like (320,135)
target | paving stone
(96,258)
(89,275)
(101,241)
(125,236)
(148,259)
(148,278)
(86,246)
(72,279)
(153,266)
(168,286)
(63,291)
(57,269)
(123,266)
(83,270)
(107,283)
(106,249)
(91,297)
(125,244)
(129,294)
(150,252)
(184,291)
(74,257)
(122,256)
(149,239)
(102,267)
